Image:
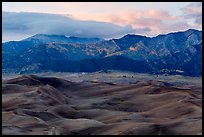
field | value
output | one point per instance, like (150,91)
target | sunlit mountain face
(173,53)
(164,39)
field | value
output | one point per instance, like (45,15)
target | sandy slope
(49,105)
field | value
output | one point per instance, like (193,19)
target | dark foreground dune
(39,105)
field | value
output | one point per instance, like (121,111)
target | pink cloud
(161,14)
(130,16)
(158,21)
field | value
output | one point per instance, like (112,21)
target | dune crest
(49,105)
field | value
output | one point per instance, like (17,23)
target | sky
(98,19)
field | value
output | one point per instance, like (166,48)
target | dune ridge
(53,106)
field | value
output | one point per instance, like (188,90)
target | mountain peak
(48,35)
(45,36)
(49,38)
(133,36)
(194,30)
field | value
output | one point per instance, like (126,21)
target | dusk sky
(98,19)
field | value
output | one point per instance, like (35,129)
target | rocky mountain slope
(173,53)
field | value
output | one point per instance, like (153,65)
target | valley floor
(119,77)
(101,103)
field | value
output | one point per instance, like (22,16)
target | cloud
(193,11)
(23,24)
(156,21)
(131,16)
(150,22)
(162,14)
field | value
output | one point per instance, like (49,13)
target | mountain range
(173,53)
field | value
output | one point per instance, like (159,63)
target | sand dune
(49,105)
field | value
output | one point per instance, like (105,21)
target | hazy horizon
(23,19)
(99,37)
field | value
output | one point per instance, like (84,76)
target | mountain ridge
(168,52)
